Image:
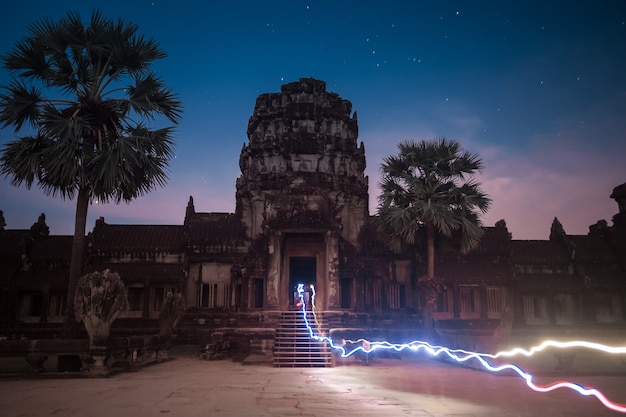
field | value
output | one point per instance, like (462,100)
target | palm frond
(20,105)
(148,97)
(20,159)
(27,60)
(89,140)
(132,166)
(61,168)
(431,183)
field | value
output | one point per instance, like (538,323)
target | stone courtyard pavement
(187,386)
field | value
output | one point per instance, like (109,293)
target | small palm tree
(426,187)
(86,92)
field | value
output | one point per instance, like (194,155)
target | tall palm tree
(428,187)
(86,93)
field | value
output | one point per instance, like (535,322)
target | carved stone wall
(302,167)
(302,180)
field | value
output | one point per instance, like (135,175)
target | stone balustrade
(76,355)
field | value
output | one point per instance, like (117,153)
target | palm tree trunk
(70,325)
(429,306)
(430,251)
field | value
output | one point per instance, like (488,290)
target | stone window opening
(56,306)
(215,295)
(257,293)
(443,305)
(564,309)
(535,309)
(135,300)
(495,302)
(31,306)
(608,307)
(396,296)
(469,302)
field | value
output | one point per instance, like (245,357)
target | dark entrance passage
(301,271)
(346,293)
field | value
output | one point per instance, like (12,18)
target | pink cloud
(560,178)
(167,205)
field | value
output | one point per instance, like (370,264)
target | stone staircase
(293,345)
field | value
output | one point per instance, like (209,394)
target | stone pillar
(273,271)
(257,210)
(333,299)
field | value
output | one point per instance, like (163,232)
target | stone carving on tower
(302,189)
(302,167)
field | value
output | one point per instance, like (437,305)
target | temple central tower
(302,187)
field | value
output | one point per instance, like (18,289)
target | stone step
(294,346)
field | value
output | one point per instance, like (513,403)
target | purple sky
(538,89)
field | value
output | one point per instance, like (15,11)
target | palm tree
(428,187)
(86,92)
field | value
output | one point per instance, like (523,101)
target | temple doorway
(302,270)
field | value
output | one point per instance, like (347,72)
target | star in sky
(537,88)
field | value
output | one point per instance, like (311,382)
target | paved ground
(186,386)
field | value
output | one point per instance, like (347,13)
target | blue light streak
(460,355)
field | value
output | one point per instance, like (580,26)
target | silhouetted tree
(87,92)
(424,187)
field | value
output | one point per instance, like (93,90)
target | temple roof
(216,229)
(591,249)
(51,248)
(12,243)
(495,241)
(538,251)
(137,238)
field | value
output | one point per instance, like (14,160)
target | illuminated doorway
(302,270)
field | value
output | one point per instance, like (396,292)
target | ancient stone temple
(302,190)
(302,216)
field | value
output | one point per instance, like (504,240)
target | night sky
(536,88)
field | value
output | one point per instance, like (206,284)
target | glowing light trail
(460,355)
(561,345)
(317,323)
